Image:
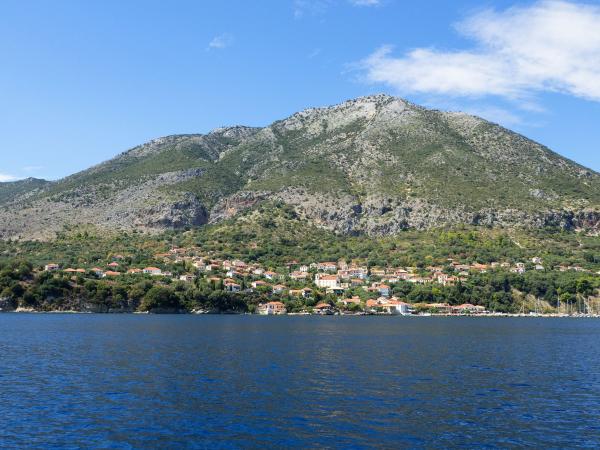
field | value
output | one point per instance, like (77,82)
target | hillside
(374,165)
(20,189)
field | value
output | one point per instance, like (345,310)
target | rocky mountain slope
(374,165)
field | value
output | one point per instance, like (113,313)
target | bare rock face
(374,165)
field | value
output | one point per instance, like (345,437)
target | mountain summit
(374,165)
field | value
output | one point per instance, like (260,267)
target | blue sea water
(131,381)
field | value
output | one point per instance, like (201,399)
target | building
(304,293)
(279,288)
(51,267)
(396,307)
(110,273)
(383,290)
(271,308)
(351,301)
(230,286)
(326,281)
(468,308)
(298,275)
(324,309)
(327,266)
(187,278)
(152,271)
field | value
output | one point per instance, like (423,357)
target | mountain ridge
(376,165)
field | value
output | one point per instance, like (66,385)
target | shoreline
(230,313)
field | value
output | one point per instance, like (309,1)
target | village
(325,288)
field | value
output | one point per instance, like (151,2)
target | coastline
(230,313)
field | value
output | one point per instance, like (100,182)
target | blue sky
(83,81)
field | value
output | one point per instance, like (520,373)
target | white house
(326,281)
(152,271)
(271,308)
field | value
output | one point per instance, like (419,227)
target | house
(154,271)
(239,264)
(51,267)
(297,275)
(134,271)
(259,283)
(483,268)
(110,273)
(324,309)
(337,290)
(326,281)
(377,272)
(113,265)
(445,280)
(232,287)
(468,308)
(358,272)
(536,260)
(389,306)
(270,275)
(398,307)
(356,282)
(304,293)
(351,301)
(327,266)
(258,271)
(187,278)
(271,308)
(279,288)
(383,290)
(303,268)
(371,303)
(441,308)
(97,271)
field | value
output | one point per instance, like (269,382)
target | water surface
(130,381)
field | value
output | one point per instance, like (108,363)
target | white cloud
(222,41)
(551,45)
(5,178)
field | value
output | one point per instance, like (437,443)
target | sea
(71,381)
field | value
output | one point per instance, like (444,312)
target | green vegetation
(272,236)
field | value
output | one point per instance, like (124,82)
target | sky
(81,82)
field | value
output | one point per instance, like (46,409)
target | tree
(160,297)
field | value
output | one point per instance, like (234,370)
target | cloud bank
(549,46)
(5,178)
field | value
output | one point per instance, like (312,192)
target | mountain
(20,189)
(374,165)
